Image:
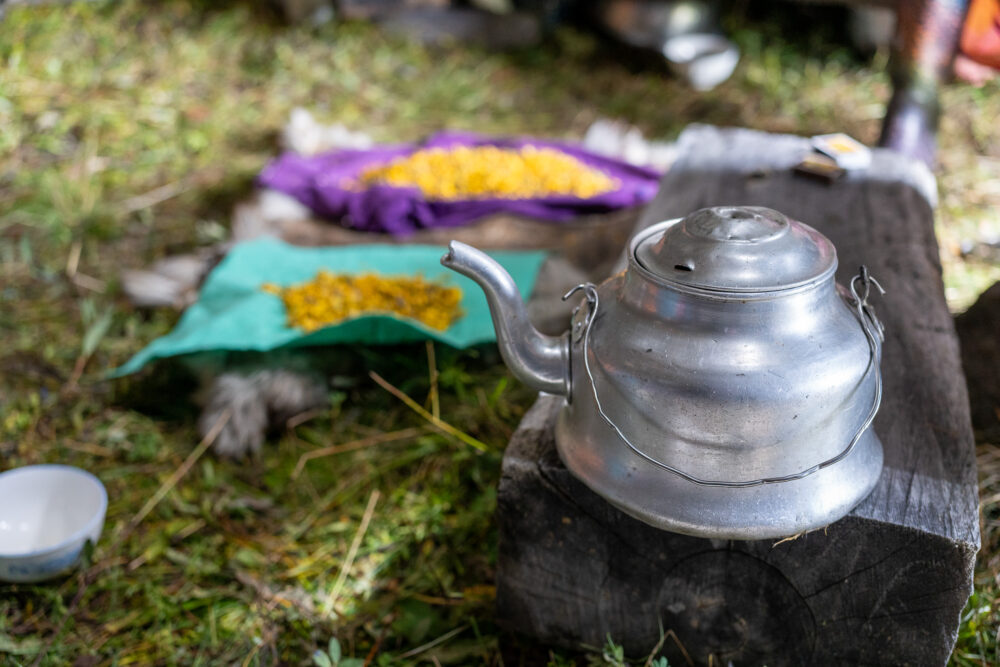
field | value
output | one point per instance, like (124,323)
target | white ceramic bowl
(47,514)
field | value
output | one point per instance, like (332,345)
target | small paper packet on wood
(848,152)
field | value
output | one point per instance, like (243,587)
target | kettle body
(722,385)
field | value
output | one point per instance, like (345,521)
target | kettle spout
(540,361)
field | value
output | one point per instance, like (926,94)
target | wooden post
(885,585)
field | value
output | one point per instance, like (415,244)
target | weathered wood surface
(883,586)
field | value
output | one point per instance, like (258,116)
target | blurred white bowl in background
(47,514)
(704,59)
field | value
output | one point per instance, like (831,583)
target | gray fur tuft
(260,401)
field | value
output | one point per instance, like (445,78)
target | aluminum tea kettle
(723,385)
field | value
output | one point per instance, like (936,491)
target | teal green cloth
(233,313)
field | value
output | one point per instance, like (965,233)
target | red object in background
(981,33)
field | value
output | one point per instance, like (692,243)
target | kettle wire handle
(874,332)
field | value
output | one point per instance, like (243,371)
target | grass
(127,132)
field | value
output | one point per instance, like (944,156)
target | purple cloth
(327,184)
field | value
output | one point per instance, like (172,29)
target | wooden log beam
(886,584)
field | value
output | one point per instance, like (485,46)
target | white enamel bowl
(47,514)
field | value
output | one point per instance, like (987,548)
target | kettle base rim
(669,502)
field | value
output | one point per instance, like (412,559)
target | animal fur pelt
(261,392)
(258,402)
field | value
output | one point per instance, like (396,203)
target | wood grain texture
(884,585)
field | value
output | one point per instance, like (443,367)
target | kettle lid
(736,249)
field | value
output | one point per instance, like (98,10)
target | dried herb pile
(486,172)
(330,298)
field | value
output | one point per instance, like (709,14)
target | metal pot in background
(649,24)
(686,32)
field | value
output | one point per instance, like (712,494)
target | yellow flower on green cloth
(487,172)
(330,298)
